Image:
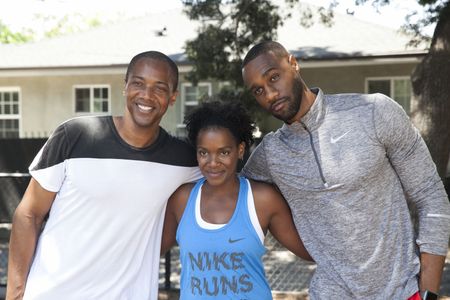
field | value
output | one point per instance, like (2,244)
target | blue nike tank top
(224,263)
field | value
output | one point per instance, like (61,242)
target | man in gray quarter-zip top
(348,164)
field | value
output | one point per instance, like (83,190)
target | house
(46,82)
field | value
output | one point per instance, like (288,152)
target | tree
(431,86)
(7,36)
(231,26)
(55,26)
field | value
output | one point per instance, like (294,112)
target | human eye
(136,83)
(161,90)
(201,152)
(258,91)
(225,152)
(274,77)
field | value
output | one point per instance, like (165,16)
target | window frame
(17,116)
(193,103)
(391,79)
(91,98)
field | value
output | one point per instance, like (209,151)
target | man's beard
(294,102)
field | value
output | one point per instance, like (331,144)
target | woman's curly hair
(216,114)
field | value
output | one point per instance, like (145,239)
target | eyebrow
(221,148)
(143,79)
(266,72)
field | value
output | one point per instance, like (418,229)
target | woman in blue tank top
(220,221)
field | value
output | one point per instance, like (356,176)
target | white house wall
(47,97)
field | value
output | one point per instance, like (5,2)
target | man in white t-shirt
(103,182)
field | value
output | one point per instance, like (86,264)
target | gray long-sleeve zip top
(348,171)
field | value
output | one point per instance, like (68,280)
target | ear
(125,87)
(241,150)
(173,98)
(293,62)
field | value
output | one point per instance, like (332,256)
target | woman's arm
(274,214)
(174,211)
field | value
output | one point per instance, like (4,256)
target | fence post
(168,270)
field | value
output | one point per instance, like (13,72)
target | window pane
(82,96)
(380,86)
(7,110)
(190,93)
(15,109)
(100,99)
(9,128)
(203,92)
(16,97)
(97,106)
(402,93)
(96,93)
(7,97)
(190,89)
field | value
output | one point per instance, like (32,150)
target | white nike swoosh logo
(334,140)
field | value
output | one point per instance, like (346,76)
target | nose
(213,160)
(271,93)
(147,91)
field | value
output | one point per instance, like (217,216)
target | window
(398,89)
(191,95)
(92,99)
(9,112)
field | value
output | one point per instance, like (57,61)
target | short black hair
(264,47)
(155,55)
(217,114)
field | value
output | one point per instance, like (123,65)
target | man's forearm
(431,267)
(22,245)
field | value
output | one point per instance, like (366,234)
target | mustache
(278,101)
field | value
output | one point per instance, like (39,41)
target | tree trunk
(431,94)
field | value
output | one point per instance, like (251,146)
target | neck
(308,99)
(225,189)
(134,135)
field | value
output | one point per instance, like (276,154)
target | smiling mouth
(214,174)
(144,108)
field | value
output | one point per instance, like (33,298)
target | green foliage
(229,29)
(66,24)
(7,36)
(56,26)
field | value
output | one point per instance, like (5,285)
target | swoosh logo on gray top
(334,140)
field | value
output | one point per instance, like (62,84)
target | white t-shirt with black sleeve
(102,238)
